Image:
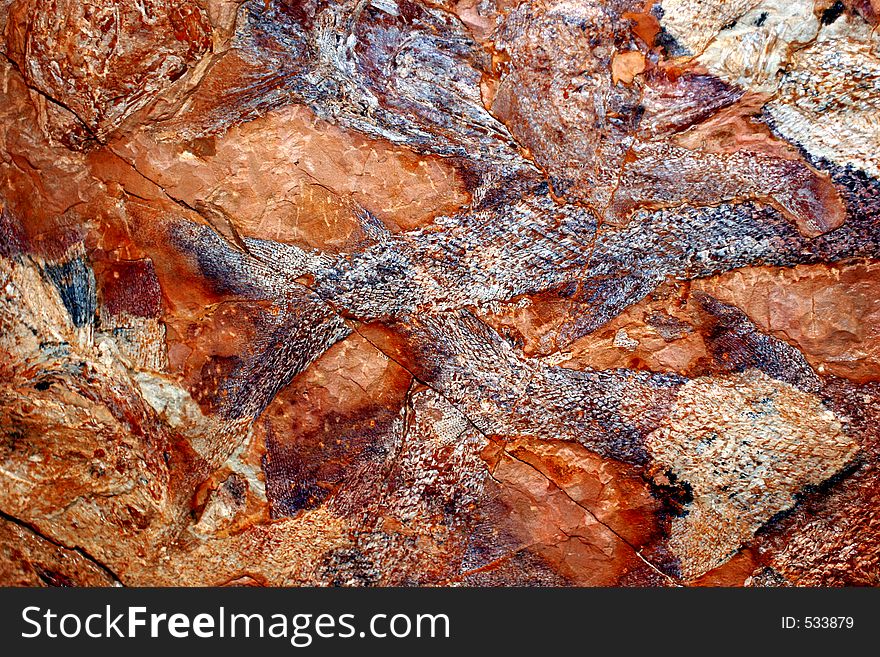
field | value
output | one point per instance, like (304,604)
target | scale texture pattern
(440,292)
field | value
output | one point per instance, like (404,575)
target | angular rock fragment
(102,61)
(743,445)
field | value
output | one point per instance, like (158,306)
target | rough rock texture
(460,292)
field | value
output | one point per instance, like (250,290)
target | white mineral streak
(388,6)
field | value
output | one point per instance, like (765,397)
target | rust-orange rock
(829,313)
